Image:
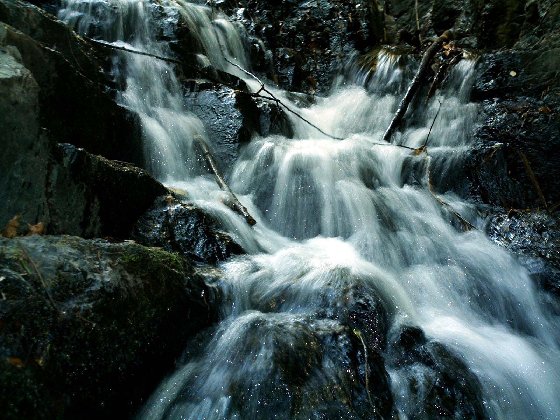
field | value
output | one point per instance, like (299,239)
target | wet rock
(24,158)
(88,328)
(76,104)
(309,40)
(432,381)
(90,196)
(349,334)
(535,238)
(299,368)
(231,117)
(514,163)
(185,229)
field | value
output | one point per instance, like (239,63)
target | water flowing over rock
(382,279)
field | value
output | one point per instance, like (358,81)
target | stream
(362,294)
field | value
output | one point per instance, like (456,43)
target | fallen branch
(533,178)
(275,99)
(415,84)
(466,224)
(117,47)
(358,334)
(233,203)
(443,69)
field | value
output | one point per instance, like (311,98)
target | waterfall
(354,243)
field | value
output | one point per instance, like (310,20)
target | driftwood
(233,202)
(415,84)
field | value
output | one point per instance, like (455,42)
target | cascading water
(353,255)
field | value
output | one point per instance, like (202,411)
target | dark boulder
(90,196)
(437,383)
(231,117)
(88,328)
(76,103)
(68,189)
(185,229)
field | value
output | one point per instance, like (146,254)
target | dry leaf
(10,231)
(545,110)
(15,361)
(419,150)
(38,229)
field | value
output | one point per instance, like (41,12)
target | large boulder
(185,229)
(24,159)
(432,380)
(91,196)
(231,117)
(76,104)
(88,327)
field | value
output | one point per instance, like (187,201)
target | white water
(334,217)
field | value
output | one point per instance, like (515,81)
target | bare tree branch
(415,84)
(234,203)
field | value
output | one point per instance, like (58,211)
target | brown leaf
(10,231)
(15,361)
(38,229)
(419,150)
(545,110)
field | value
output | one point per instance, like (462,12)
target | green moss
(143,260)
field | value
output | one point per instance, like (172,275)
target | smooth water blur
(334,217)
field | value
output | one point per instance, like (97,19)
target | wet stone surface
(88,327)
(535,239)
(185,229)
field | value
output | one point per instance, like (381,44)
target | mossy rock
(88,327)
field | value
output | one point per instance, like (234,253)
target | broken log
(233,202)
(416,82)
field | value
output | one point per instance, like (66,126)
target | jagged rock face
(88,327)
(74,99)
(518,143)
(23,161)
(535,238)
(309,40)
(477,24)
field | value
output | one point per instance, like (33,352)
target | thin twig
(117,47)
(432,126)
(443,69)
(532,177)
(41,279)
(358,334)
(275,99)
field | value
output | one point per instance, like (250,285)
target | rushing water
(351,245)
